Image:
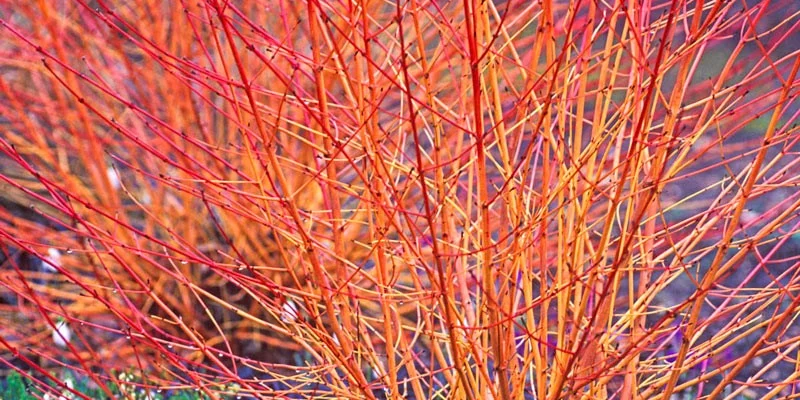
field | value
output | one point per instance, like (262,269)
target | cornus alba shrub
(411,199)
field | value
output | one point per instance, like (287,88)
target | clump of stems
(410,199)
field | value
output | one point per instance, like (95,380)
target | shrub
(418,199)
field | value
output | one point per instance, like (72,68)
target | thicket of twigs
(411,199)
